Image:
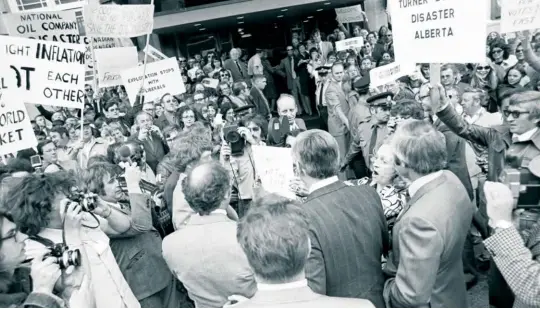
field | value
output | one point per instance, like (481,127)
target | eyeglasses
(519,50)
(483,68)
(497,51)
(514,114)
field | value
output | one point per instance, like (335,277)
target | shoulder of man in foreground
(322,301)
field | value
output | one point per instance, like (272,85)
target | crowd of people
(159,203)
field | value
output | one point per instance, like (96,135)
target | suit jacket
(428,239)
(236,74)
(324,48)
(336,98)
(155,150)
(301,297)
(287,70)
(260,102)
(348,235)
(98,147)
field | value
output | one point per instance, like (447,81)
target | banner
(161,77)
(389,73)
(350,14)
(48,73)
(59,26)
(274,167)
(111,62)
(154,53)
(118,20)
(519,15)
(435,31)
(16,132)
(352,43)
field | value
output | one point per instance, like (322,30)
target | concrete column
(375,12)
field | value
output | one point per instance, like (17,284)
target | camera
(525,187)
(37,165)
(235,139)
(279,129)
(87,202)
(63,256)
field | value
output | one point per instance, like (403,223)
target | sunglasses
(519,50)
(497,51)
(514,114)
(483,68)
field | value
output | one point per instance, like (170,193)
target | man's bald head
(206,187)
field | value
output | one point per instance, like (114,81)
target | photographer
(149,135)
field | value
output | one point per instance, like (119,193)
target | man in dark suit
(287,70)
(237,67)
(259,100)
(348,229)
(149,135)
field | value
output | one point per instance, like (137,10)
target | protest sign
(274,167)
(389,73)
(59,26)
(210,82)
(49,73)
(100,43)
(352,43)
(350,14)
(428,31)
(112,61)
(118,20)
(519,15)
(161,77)
(16,132)
(154,53)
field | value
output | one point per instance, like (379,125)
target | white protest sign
(112,61)
(429,31)
(59,26)
(118,20)
(100,43)
(350,14)
(352,43)
(161,77)
(389,73)
(16,132)
(154,53)
(519,15)
(49,73)
(210,82)
(274,166)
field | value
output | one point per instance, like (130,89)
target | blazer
(427,247)
(98,147)
(348,235)
(286,70)
(236,74)
(155,150)
(336,98)
(301,297)
(260,102)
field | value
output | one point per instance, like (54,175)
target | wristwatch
(501,225)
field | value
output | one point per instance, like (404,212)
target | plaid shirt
(518,259)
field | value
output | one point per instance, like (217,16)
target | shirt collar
(219,212)
(525,136)
(282,286)
(422,181)
(323,183)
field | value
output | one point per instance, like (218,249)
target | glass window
(24,5)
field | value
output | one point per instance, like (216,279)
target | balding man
(237,67)
(204,254)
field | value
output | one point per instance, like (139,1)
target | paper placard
(210,82)
(350,14)
(100,43)
(49,73)
(431,31)
(154,53)
(274,166)
(118,20)
(16,132)
(389,73)
(519,15)
(352,43)
(112,61)
(59,26)
(161,77)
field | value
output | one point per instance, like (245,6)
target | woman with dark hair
(499,54)
(186,117)
(484,76)
(227,112)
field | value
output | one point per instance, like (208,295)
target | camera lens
(69,258)
(233,137)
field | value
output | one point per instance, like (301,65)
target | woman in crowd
(484,77)
(186,117)
(516,77)
(314,62)
(366,64)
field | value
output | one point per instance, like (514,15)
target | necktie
(292,68)
(321,95)
(239,68)
(372,143)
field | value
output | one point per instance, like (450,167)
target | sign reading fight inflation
(519,15)
(118,20)
(16,132)
(388,73)
(112,61)
(49,73)
(161,77)
(436,30)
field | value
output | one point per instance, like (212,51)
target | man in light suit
(323,47)
(204,254)
(348,229)
(274,226)
(430,232)
(237,67)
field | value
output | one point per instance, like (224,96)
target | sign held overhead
(519,15)
(118,20)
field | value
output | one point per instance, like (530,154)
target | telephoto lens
(69,258)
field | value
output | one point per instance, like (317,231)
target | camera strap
(44,241)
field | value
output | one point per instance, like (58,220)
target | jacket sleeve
(43,300)
(315,268)
(141,215)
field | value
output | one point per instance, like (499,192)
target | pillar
(375,11)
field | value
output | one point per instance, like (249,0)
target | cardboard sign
(161,77)
(350,14)
(100,43)
(389,73)
(49,73)
(274,166)
(210,82)
(519,15)
(16,132)
(118,20)
(352,43)
(434,31)
(154,53)
(59,26)
(112,61)
(435,73)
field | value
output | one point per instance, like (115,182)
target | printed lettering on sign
(388,73)
(16,132)
(58,26)
(118,20)
(519,15)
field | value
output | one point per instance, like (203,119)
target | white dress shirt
(323,183)
(525,136)
(422,181)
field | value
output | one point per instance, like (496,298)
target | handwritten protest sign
(161,77)
(16,132)
(100,43)
(350,14)
(274,166)
(352,43)
(49,73)
(112,61)
(433,30)
(519,15)
(154,53)
(118,20)
(59,26)
(389,73)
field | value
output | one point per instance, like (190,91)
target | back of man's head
(206,187)
(316,154)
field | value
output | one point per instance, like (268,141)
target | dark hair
(408,108)
(15,165)
(42,144)
(60,130)
(180,112)
(225,107)
(259,121)
(500,44)
(110,103)
(518,68)
(206,186)
(94,174)
(238,87)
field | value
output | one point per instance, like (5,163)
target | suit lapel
(325,190)
(421,192)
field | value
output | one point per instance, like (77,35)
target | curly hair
(206,187)
(31,200)
(92,177)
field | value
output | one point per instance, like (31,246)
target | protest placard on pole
(435,73)
(350,14)
(118,20)
(352,43)
(61,26)
(274,167)
(430,31)
(519,15)
(161,77)
(388,73)
(112,61)
(16,131)
(154,53)
(49,73)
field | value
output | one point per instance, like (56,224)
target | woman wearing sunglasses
(484,77)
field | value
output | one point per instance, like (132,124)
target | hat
(243,108)
(381,99)
(85,123)
(362,83)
